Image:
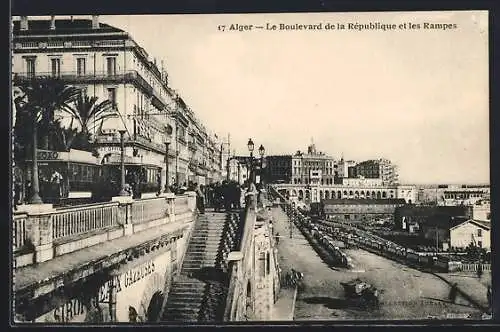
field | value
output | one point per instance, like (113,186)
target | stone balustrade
(41,232)
(241,265)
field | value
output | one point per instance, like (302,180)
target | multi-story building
(279,168)
(305,167)
(343,167)
(376,169)
(361,181)
(361,209)
(238,171)
(107,63)
(451,195)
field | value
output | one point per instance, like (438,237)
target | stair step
(171,310)
(181,318)
(202,251)
(185,303)
(184,295)
(189,287)
(210,246)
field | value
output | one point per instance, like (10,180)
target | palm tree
(51,95)
(36,103)
(89,113)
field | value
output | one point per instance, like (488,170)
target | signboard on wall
(73,311)
(139,284)
(135,286)
(315,174)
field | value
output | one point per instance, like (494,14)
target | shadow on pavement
(446,301)
(336,303)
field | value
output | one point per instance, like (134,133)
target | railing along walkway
(61,266)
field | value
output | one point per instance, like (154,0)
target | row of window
(315,163)
(454,196)
(81,66)
(356,194)
(308,181)
(83,173)
(297,170)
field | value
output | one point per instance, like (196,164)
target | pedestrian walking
(200,203)
(56,180)
(453,292)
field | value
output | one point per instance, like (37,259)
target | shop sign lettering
(47,155)
(134,275)
(74,310)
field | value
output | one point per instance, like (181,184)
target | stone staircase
(198,294)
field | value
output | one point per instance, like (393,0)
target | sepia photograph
(255,168)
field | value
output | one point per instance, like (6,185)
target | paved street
(407,293)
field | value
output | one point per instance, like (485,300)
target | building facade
(471,232)
(376,169)
(310,193)
(452,195)
(305,167)
(361,209)
(481,211)
(279,168)
(107,63)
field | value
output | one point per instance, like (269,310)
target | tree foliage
(40,101)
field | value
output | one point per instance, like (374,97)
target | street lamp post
(167,185)
(250,148)
(261,153)
(123,192)
(35,183)
(239,175)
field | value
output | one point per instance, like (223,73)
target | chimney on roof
(24,23)
(52,22)
(95,21)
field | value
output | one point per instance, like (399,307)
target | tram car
(84,178)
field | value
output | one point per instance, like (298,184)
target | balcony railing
(148,210)
(19,230)
(127,76)
(74,221)
(138,139)
(54,232)
(67,44)
(181,205)
(192,146)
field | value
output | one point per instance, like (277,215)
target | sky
(418,97)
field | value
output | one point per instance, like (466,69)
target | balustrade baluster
(80,222)
(16,235)
(67,219)
(55,230)
(102,213)
(86,222)
(105,217)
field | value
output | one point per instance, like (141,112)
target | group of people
(51,188)
(226,195)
